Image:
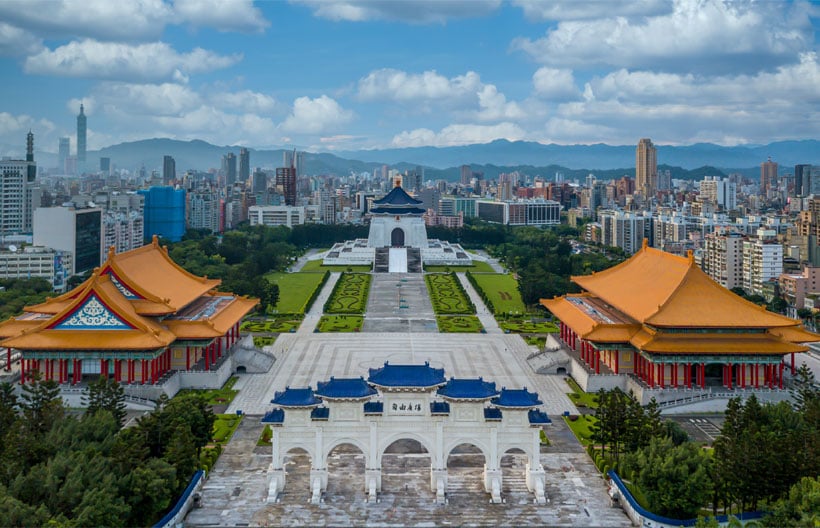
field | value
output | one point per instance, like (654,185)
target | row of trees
(759,460)
(61,469)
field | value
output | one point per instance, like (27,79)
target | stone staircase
(413,260)
(548,361)
(381,263)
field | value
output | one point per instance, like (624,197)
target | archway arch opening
(514,473)
(397,237)
(406,465)
(345,467)
(297,463)
(465,473)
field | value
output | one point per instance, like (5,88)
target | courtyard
(399,327)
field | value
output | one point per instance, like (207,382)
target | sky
(361,74)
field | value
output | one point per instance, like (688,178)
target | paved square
(235,493)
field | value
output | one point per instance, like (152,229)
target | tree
(674,479)
(8,407)
(800,508)
(42,404)
(108,395)
(804,390)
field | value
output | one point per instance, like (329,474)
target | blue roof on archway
(468,389)
(342,388)
(406,376)
(296,398)
(517,398)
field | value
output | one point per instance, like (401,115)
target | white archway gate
(406,402)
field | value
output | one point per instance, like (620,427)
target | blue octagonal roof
(397,196)
(406,376)
(538,417)
(296,398)
(516,398)
(468,389)
(276,416)
(344,388)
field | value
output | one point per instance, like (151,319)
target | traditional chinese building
(399,402)
(138,318)
(659,318)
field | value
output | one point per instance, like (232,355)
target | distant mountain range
(605,161)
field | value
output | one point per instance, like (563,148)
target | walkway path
(484,315)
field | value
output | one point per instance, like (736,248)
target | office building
(801,185)
(768,176)
(169,170)
(294,159)
(204,210)
(646,168)
(622,229)
(63,152)
(762,262)
(76,229)
(244,165)
(276,215)
(722,258)
(81,136)
(286,184)
(164,213)
(229,168)
(31,262)
(720,192)
(19,195)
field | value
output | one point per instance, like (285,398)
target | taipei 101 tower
(81,127)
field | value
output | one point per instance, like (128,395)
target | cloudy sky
(357,74)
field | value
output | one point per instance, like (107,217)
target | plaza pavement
(235,493)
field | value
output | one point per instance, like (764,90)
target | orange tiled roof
(662,289)
(580,317)
(795,334)
(713,343)
(70,329)
(165,286)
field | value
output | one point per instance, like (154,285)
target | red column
(661,373)
(741,374)
(780,376)
(597,355)
(187,358)
(729,372)
(674,375)
(615,355)
(206,354)
(703,375)
(22,372)
(8,358)
(792,362)
(688,376)
(219,348)
(129,370)
(651,372)
(79,373)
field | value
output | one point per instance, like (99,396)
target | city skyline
(329,76)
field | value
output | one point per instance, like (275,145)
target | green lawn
(316,265)
(222,396)
(294,290)
(273,325)
(502,290)
(340,323)
(536,341)
(446,295)
(260,342)
(477,267)
(349,296)
(526,326)
(581,428)
(458,324)
(581,398)
(224,427)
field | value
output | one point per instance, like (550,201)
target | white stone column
(492,471)
(373,465)
(276,471)
(438,461)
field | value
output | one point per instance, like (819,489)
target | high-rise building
(19,195)
(63,152)
(762,262)
(801,185)
(244,165)
(75,229)
(768,176)
(722,258)
(722,193)
(260,181)
(105,166)
(466,174)
(229,168)
(169,170)
(203,210)
(646,168)
(286,180)
(294,159)
(164,213)
(623,230)
(81,132)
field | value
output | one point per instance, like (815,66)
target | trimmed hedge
(349,295)
(316,292)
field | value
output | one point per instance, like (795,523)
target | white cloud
(166,99)
(708,35)
(315,116)
(413,11)
(99,19)
(582,10)
(246,100)
(105,60)
(397,85)
(15,41)
(224,15)
(495,107)
(13,130)
(460,134)
(555,84)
